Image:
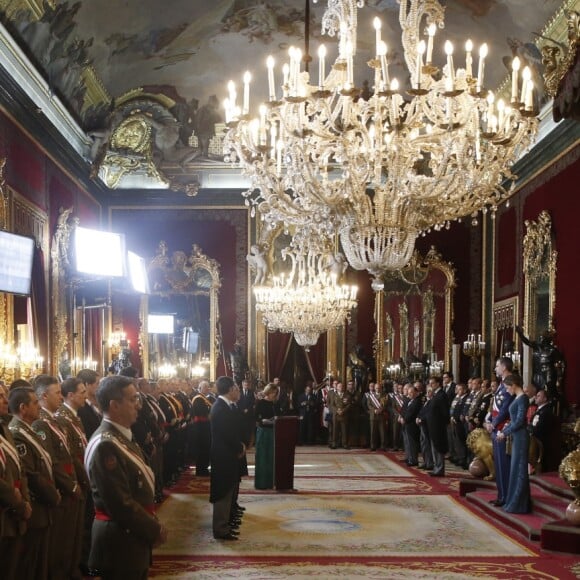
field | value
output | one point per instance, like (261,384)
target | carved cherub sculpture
(336,265)
(258,264)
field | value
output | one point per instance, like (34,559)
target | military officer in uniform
(74,393)
(496,420)
(341,403)
(123,486)
(44,496)
(62,549)
(15,508)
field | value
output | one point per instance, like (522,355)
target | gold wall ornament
(61,278)
(133,135)
(181,280)
(141,146)
(539,269)
(556,64)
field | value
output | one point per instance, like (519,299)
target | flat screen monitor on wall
(137,273)
(160,324)
(99,253)
(16,256)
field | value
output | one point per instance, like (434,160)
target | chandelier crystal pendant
(384,167)
(309,299)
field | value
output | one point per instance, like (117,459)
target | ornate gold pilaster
(60,264)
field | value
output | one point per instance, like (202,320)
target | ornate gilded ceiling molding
(562,62)
(37,7)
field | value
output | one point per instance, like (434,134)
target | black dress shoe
(239,507)
(227,537)
(412,464)
(422,466)
(496,502)
(373,449)
(436,474)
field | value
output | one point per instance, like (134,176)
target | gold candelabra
(474,348)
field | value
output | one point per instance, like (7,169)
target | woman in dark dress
(518,494)
(264,478)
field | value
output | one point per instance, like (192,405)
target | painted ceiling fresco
(92,51)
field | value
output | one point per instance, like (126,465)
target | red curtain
(278,347)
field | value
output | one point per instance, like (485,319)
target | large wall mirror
(416,334)
(180,316)
(540,257)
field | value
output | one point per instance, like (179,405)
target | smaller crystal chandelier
(310,299)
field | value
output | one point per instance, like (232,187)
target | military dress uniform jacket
(123,488)
(56,443)
(12,477)
(341,403)
(37,465)
(73,428)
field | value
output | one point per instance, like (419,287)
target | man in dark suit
(437,421)
(545,426)
(425,440)
(226,451)
(246,406)
(90,414)
(123,487)
(413,433)
(496,420)
(449,390)
(308,410)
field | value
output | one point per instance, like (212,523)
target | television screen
(16,255)
(190,340)
(99,253)
(137,273)
(160,324)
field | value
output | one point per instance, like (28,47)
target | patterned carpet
(356,514)
(312,525)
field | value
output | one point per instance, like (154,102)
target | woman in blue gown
(518,494)
(264,476)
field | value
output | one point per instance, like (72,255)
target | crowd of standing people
(84,461)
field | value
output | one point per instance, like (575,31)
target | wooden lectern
(285,439)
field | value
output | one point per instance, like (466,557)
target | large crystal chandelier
(383,167)
(309,299)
